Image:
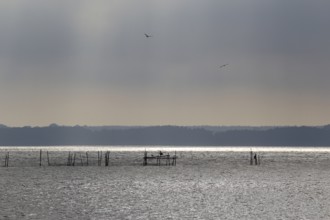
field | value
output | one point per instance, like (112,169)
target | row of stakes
(72,158)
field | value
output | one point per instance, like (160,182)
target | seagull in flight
(224,65)
(147,35)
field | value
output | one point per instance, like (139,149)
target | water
(166,148)
(206,184)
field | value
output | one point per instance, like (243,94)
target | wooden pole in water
(81,160)
(175,159)
(70,159)
(87,157)
(67,162)
(145,163)
(40,158)
(107,157)
(251,157)
(48,158)
(74,159)
(7,161)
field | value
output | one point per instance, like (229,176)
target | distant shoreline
(165,136)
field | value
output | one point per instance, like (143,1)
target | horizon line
(159,125)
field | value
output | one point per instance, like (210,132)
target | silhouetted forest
(164,135)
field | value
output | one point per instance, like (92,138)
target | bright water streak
(167,148)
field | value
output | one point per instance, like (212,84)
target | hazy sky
(88,62)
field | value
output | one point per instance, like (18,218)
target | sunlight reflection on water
(167,148)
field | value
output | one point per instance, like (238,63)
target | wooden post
(106,158)
(7,159)
(81,160)
(145,160)
(99,158)
(68,161)
(175,159)
(40,158)
(48,158)
(251,157)
(87,157)
(259,159)
(74,159)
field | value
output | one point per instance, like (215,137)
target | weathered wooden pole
(7,164)
(251,157)
(175,159)
(74,159)
(7,159)
(81,160)
(145,160)
(99,157)
(48,158)
(106,158)
(69,159)
(40,157)
(87,157)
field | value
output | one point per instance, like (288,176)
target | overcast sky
(88,62)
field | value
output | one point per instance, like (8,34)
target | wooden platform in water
(157,160)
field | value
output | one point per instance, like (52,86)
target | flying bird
(147,35)
(223,65)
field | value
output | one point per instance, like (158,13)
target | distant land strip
(55,135)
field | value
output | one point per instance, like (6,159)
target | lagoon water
(207,183)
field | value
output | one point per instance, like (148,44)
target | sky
(82,62)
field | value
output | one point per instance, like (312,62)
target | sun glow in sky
(89,62)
